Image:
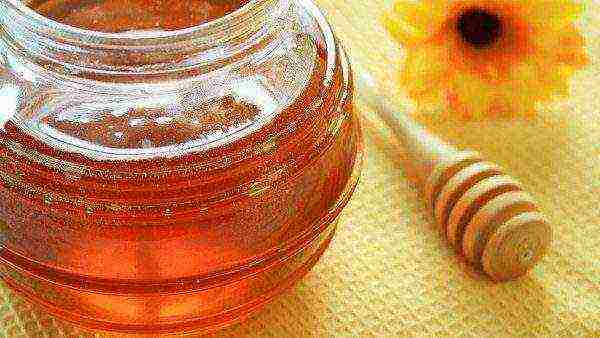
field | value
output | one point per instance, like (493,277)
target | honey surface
(115,16)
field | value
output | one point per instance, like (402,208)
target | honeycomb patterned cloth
(388,273)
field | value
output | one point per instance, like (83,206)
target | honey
(113,16)
(175,171)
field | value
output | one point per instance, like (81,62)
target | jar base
(197,326)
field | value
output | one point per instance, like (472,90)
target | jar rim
(68,49)
(36,18)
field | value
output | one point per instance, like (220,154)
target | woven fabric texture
(388,273)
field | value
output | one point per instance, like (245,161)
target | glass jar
(164,176)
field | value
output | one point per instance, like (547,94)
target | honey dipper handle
(484,214)
(424,149)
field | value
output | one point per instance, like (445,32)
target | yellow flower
(482,57)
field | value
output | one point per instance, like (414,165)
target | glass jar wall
(169,168)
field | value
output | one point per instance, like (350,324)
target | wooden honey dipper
(485,214)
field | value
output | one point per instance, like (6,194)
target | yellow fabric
(388,273)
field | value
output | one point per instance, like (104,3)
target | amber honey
(158,181)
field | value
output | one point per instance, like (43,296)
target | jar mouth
(129,56)
(40,20)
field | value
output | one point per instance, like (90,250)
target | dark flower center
(479,28)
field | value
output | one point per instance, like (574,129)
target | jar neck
(144,55)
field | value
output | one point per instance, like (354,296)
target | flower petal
(551,14)
(556,82)
(425,68)
(536,81)
(411,23)
(524,89)
(566,47)
(469,97)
